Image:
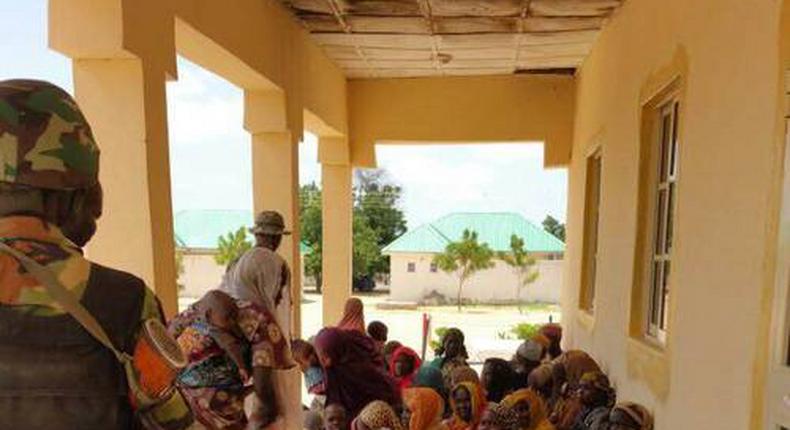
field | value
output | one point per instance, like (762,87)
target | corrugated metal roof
(494,229)
(201,229)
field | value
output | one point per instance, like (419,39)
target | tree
(376,203)
(522,264)
(553,226)
(310,229)
(465,258)
(377,221)
(366,250)
(231,247)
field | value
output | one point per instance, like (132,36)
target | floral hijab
(377,415)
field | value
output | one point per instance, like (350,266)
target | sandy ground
(482,325)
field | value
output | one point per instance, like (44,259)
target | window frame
(434,268)
(591,233)
(411,267)
(664,145)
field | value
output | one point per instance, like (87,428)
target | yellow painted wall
(462,109)
(730,147)
(265,39)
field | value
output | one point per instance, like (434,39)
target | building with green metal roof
(493,228)
(413,276)
(197,233)
(200,230)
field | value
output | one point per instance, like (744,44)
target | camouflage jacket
(47,245)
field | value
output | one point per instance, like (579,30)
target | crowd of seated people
(367,381)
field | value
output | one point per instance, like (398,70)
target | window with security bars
(663,219)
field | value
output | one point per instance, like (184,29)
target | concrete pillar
(126,107)
(275,176)
(337,226)
(122,52)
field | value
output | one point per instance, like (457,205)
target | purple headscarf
(355,375)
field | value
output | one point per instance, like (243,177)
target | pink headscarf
(353,316)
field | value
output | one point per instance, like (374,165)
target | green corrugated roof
(494,229)
(202,228)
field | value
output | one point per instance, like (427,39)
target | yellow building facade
(672,128)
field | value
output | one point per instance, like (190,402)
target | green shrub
(525,331)
(436,342)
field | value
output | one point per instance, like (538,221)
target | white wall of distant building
(497,284)
(202,273)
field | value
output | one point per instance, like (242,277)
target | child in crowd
(387,351)
(305,355)
(208,331)
(335,417)
(378,331)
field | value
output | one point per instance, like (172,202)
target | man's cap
(269,222)
(45,140)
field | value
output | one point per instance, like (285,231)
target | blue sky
(209,149)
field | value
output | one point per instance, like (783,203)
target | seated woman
(594,396)
(530,409)
(353,316)
(221,337)
(527,358)
(498,379)
(629,416)
(424,409)
(467,402)
(464,374)
(541,380)
(450,354)
(568,369)
(354,370)
(403,366)
(377,415)
(498,417)
(553,332)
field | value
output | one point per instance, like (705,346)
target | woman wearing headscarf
(464,374)
(498,379)
(630,416)
(593,395)
(567,371)
(377,415)
(353,316)
(553,332)
(468,402)
(425,409)
(530,408)
(529,356)
(354,370)
(404,365)
(450,354)
(430,377)
(498,417)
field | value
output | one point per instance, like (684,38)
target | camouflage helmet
(45,141)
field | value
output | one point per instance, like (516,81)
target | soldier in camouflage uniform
(53,374)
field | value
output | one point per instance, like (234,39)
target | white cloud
(438,179)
